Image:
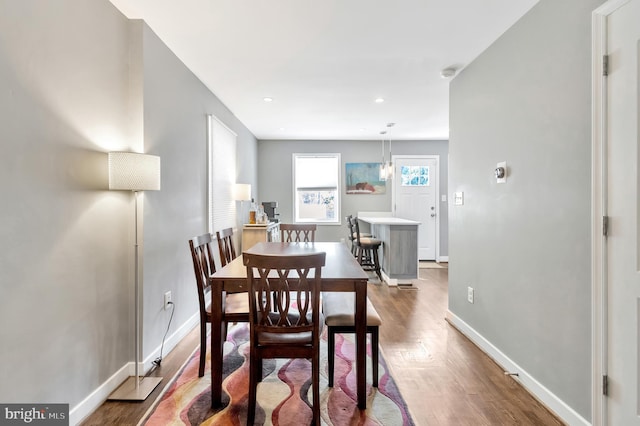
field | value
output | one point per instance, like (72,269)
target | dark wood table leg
(216,343)
(361,343)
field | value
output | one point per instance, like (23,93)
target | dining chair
(225,245)
(338,312)
(236,306)
(297,233)
(289,328)
(367,251)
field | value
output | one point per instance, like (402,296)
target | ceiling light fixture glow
(267,99)
(379,100)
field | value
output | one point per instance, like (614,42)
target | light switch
(459,198)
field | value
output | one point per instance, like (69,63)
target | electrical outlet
(167,300)
(470,294)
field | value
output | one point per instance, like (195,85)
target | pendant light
(383,165)
(389,166)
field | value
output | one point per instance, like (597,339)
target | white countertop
(387,220)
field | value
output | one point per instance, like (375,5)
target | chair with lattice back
(289,327)
(297,233)
(236,306)
(225,245)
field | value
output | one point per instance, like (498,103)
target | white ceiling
(324,62)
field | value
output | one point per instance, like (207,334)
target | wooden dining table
(341,273)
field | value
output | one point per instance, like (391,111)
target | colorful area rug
(284,395)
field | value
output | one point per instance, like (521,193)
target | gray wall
(525,245)
(78,79)
(175,107)
(275,178)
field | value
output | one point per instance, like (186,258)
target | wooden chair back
(297,233)
(203,266)
(352,233)
(284,316)
(356,229)
(225,245)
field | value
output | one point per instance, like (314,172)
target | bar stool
(352,233)
(338,311)
(367,251)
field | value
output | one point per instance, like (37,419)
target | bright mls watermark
(34,414)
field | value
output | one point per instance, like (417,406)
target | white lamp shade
(241,192)
(134,172)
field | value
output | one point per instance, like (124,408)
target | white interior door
(623,253)
(415,195)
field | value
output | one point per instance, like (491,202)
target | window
(221,147)
(316,180)
(414,176)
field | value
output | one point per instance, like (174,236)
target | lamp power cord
(156,362)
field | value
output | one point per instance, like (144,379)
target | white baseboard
(102,392)
(535,388)
(391,282)
(172,341)
(443,259)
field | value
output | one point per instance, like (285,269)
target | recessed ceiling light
(379,100)
(267,99)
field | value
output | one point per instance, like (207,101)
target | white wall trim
(599,301)
(100,394)
(443,259)
(544,395)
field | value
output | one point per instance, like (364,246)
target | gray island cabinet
(399,257)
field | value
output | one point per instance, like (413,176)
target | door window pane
(414,176)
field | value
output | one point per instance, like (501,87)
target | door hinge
(605,385)
(605,65)
(605,226)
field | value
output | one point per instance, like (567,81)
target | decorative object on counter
(270,210)
(363,178)
(261,216)
(253,211)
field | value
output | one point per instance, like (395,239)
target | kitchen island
(399,257)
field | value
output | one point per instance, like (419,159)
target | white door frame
(599,180)
(394,159)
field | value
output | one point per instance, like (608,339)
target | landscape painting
(364,178)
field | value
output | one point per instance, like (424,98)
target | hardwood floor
(444,378)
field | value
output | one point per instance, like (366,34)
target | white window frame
(335,220)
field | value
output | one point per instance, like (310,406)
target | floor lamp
(135,172)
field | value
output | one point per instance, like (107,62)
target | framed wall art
(364,178)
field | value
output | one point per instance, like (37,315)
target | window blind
(221,143)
